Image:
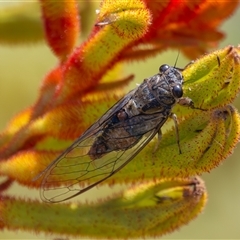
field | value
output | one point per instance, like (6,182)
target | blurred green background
(23,67)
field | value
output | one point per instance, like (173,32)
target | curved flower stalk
(87,81)
(129,214)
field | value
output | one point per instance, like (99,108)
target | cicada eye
(163,68)
(177,91)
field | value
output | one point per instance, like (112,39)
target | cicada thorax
(158,93)
(149,97)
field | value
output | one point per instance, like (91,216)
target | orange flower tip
(129,18)
(196,188)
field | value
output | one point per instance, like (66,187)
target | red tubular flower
(66,105)
(87,81)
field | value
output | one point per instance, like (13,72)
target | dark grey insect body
(116,138)
(154,97)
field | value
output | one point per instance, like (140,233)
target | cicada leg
(174,118)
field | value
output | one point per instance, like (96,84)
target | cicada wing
(69,173)
(76,155)
(74,172)
(106,116)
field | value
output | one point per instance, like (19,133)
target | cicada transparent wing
(82,167)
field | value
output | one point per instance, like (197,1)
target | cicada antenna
(180,69)
(176,59)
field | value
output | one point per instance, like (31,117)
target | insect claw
(187,102)
(193,107)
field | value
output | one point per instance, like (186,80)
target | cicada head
(173,78)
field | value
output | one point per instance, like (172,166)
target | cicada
(116,138)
